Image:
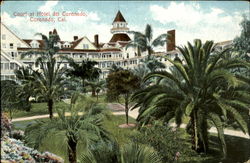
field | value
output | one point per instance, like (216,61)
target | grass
(120,134)
(37,109)
(41,108)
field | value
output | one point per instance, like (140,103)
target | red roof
(120,37)
(119,17)
(41,43)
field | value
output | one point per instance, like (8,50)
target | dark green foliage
(115,68)
(85,70)
(113,153)
(122,83)
(49,80)
(165,140)
(242,42)
(205,90)
(76,129)
(11,97)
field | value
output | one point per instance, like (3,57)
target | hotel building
(106,54)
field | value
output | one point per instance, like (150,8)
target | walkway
(118,109)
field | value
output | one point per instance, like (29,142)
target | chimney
(75,38)
(96,41)
(171,39)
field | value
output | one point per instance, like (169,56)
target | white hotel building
(106,54)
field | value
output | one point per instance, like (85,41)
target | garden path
(118,109)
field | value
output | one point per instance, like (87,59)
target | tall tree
(50,77)
(96,86)
(75,129)
(145,42)
(27,79)
(205,90)
(242,42)
(85,70)
(122,83)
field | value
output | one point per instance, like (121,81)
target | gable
(85,41)
(11,37)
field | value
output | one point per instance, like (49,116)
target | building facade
(106,54)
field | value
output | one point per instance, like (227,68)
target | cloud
(191,21)
(48,6)
(74,26)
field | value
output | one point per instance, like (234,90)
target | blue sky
(207,20)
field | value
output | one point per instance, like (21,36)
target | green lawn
(37,109)
(41,108)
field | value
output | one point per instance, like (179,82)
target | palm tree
(96,86)
(153,64)
(83,126)
(85,70)
(9,96)
(204,90)
(27,79)
(50,77)
(129,153)
(144,41)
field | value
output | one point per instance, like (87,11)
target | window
(12,54)
(3,37)
(4,45)
(85,46)
(6,66)
(12,66)
(11,45)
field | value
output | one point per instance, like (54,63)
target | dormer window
(85,46)
(34,44)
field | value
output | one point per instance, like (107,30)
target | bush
(5,125)
(165,141)
(17,134)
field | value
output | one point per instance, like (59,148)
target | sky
(206,20)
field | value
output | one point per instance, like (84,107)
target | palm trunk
(83,85)
(93,92)
(126,108)
(72,151)
(199,145)
(195,133)
(96,96)
(27,101)
(203,143)
(10,111)
(50,108)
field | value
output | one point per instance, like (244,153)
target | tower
(119,29)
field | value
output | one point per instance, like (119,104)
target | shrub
(165,141)
(5,125)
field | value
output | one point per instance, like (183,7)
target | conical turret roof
(119,17)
